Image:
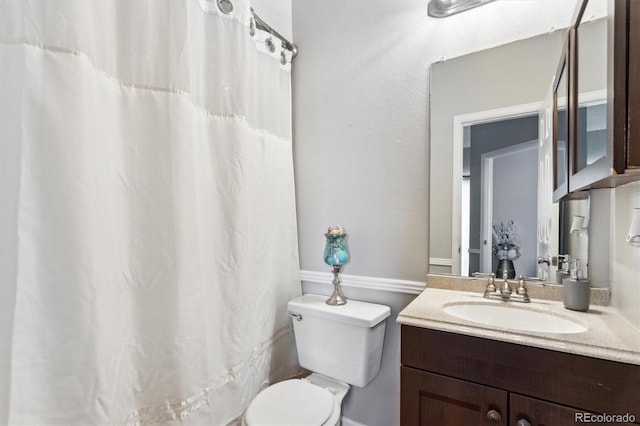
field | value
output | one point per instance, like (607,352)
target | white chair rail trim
(438,261)
(372,283)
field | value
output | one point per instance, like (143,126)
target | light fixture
(444,8)
(633,237)
(336,255)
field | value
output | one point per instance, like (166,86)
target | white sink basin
(512,317)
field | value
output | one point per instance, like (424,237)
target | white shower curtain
(148,238)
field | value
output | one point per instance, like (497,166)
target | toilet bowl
(313,400)
(341,345)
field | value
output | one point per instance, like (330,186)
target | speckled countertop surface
(608,335)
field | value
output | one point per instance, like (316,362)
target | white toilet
(341,345)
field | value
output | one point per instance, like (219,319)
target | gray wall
(361,148)
(276,13)
(360,103)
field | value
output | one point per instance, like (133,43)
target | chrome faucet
(505,292)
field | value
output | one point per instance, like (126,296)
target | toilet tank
(341,342)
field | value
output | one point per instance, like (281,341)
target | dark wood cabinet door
(540,413)
(429,399)
(536,412)
(633,140)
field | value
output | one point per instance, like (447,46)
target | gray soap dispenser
(576,289)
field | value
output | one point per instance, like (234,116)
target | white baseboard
(373,283)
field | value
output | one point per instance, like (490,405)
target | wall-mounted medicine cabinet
(601,108)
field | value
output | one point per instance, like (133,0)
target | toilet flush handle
(297,317)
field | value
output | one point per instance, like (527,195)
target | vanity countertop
(608,335)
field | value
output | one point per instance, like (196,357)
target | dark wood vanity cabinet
(452,379)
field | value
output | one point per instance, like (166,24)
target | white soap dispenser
(577,290)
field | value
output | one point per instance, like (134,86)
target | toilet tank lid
(363,314)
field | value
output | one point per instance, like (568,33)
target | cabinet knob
(522,422)
(494,416)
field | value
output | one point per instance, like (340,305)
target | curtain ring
(269,43)
(283,57)
(225,6)
(252,27)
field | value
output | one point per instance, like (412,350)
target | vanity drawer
(538,412)
(593,384)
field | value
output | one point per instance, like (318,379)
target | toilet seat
(293,402)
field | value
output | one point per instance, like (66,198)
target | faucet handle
(521,291)
(491,291)
(491,284)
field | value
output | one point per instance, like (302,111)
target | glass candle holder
(336,255)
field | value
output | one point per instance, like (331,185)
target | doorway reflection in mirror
(499,181)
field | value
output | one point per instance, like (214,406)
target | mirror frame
(563,71)
(601,168)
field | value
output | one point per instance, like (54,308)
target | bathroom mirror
(495,99)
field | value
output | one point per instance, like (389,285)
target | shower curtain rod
(260,24)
